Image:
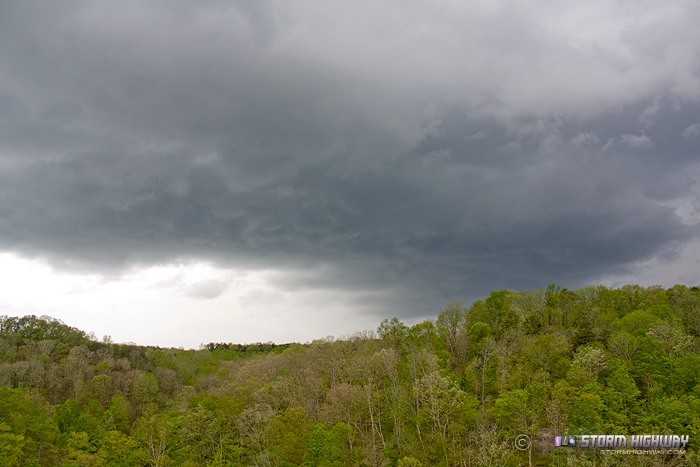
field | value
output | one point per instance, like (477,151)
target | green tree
(120,409)
(79,451)
(445,413)
(11,446)
(585,410)
(155,436)
(330,448)
(450,327)
(145,390)
(119,450)
(70,417)
(621,399)
(623,346)
(393,332)
(287,435)
(26,419)
(518,410)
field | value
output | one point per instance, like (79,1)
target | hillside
(456,390)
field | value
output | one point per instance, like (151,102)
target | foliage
(451,391)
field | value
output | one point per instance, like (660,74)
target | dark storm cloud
(434,153)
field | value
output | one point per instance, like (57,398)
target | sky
(174,173)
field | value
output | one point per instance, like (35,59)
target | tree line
(455,390)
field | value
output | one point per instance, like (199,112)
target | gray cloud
(692,131)
(434,151)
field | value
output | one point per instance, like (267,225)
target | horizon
(108,339)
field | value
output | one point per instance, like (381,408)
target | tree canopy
(456,390)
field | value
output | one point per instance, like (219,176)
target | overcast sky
(178,172)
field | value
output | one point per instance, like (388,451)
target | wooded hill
(456,390)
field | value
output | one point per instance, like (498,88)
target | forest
(456,390)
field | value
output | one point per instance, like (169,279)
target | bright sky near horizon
(176,173)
